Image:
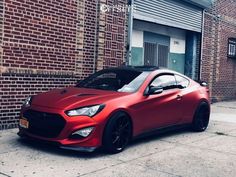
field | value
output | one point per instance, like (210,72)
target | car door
(162,109)
(188,101)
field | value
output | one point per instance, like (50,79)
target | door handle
(179,97)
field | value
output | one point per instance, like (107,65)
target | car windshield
(119,80)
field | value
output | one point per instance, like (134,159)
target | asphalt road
(181,153)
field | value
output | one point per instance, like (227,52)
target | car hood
(73,97)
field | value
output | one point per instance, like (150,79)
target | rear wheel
(117,133)
(201,117)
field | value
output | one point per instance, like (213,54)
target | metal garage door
(155,54)
(169,12)
(150,54)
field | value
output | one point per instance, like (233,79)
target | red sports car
(113,106)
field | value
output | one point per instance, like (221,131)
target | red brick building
(217,68)
(52,43)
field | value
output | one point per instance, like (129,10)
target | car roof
(139,68)
(146,69)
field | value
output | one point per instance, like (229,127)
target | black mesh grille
(44,124)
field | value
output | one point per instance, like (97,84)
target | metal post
(202,37)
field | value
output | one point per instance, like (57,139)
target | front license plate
(24,123)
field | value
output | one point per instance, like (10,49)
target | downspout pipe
(96,38)
(130,32)
(202,38)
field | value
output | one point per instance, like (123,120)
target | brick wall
(50,44)
(90,38)
(40,34)
(16,87)
(115,36)
(217,68)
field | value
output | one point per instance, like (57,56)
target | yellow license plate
(24,123)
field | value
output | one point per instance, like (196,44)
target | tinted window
(115,80)
(181,81)
(106,80)
(134,84)
(164,81)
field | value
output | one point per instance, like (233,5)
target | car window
(164,81)
(181,81)
(115,80)
(134,84)
(104,80)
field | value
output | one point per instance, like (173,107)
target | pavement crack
(101,169)
(4,174)
(217,133)
(227,107)
(5,152)
(222,152)
(150,154)
(175,142)
(159,170)
(125,162)
(221,133)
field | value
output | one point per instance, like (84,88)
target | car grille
(44,124)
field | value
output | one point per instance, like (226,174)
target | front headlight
(85,111)
(28,101)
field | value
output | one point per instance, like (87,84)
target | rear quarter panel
(192,97)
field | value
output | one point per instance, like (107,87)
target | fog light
(83,132)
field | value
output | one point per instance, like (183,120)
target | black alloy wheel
(118,133)
(201,118)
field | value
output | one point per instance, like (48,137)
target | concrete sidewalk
(182,153)
(219,110)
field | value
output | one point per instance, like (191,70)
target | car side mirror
(203,83)
(151,90)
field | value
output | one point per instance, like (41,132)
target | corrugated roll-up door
(173,13)
(163,52)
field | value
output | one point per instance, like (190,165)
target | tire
(201,117)
(117,134)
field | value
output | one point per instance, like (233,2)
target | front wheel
(201,117)
(117,133)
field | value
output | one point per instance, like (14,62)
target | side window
(164,81)
(181,81)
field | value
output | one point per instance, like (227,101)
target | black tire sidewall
(195,125)
(107,135)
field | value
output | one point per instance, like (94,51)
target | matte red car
(113,106)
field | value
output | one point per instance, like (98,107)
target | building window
(232,48)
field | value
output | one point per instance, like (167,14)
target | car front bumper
(81,149)
(22,134)
(72,124)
